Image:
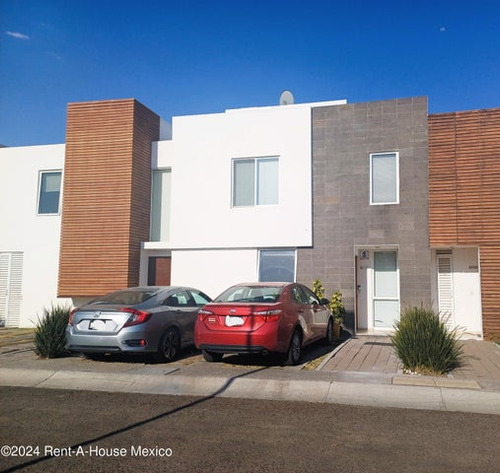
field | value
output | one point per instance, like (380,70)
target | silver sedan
(152,319)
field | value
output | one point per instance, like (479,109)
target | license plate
(233,321)
(97,325)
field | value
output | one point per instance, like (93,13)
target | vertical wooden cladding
(106,195)
(464,194)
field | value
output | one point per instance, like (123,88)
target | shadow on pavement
(309,354)
(185,354)
(192,354)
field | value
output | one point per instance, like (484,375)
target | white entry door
(385,289)
(377,279)
(11,278)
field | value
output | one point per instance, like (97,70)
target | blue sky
(189,57)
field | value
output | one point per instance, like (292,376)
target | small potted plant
(335,305)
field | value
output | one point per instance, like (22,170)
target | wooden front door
(159,269)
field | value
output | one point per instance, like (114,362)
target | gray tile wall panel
(343,138)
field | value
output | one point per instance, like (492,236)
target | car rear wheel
(211,357)
(294,350)
(170,345)
(330,336)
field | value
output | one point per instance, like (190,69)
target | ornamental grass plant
(424,345)
(50,332)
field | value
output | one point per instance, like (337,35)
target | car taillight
(71,314)
(202,313)
(136,316)
(270,315)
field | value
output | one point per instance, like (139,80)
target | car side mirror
(325,301)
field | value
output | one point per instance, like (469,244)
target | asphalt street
(50,430)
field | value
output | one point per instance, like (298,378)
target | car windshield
(127,297)
(266,294)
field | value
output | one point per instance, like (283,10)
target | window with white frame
(277,265)
(384,178)
(49,192)
(160,205)
(255,181)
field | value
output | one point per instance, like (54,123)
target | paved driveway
(367,354)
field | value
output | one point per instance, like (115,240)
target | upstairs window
(49,192)
(255,181)
(160,205)
(384,178)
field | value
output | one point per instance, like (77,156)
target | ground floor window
(277,265)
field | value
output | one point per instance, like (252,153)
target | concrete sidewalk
(372,357)
(480,366)
(362,371)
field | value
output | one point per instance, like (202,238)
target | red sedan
(263,318)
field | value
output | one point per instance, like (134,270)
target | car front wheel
(170,345)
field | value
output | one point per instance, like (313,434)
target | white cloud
(442,29)
(17,35)
(55,55)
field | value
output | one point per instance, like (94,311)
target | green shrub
(318,289)
(50,332)
(423,343)
(335,305)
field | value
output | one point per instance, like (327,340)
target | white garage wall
(213,271)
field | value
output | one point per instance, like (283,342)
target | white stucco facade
(213,271)
(200,157)
(206,230)
(24,232)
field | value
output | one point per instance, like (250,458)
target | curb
(437,398)
(332,354)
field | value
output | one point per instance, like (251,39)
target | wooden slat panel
(146,130)
(442,180)
(106,195)
(464,194)
(490,290)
